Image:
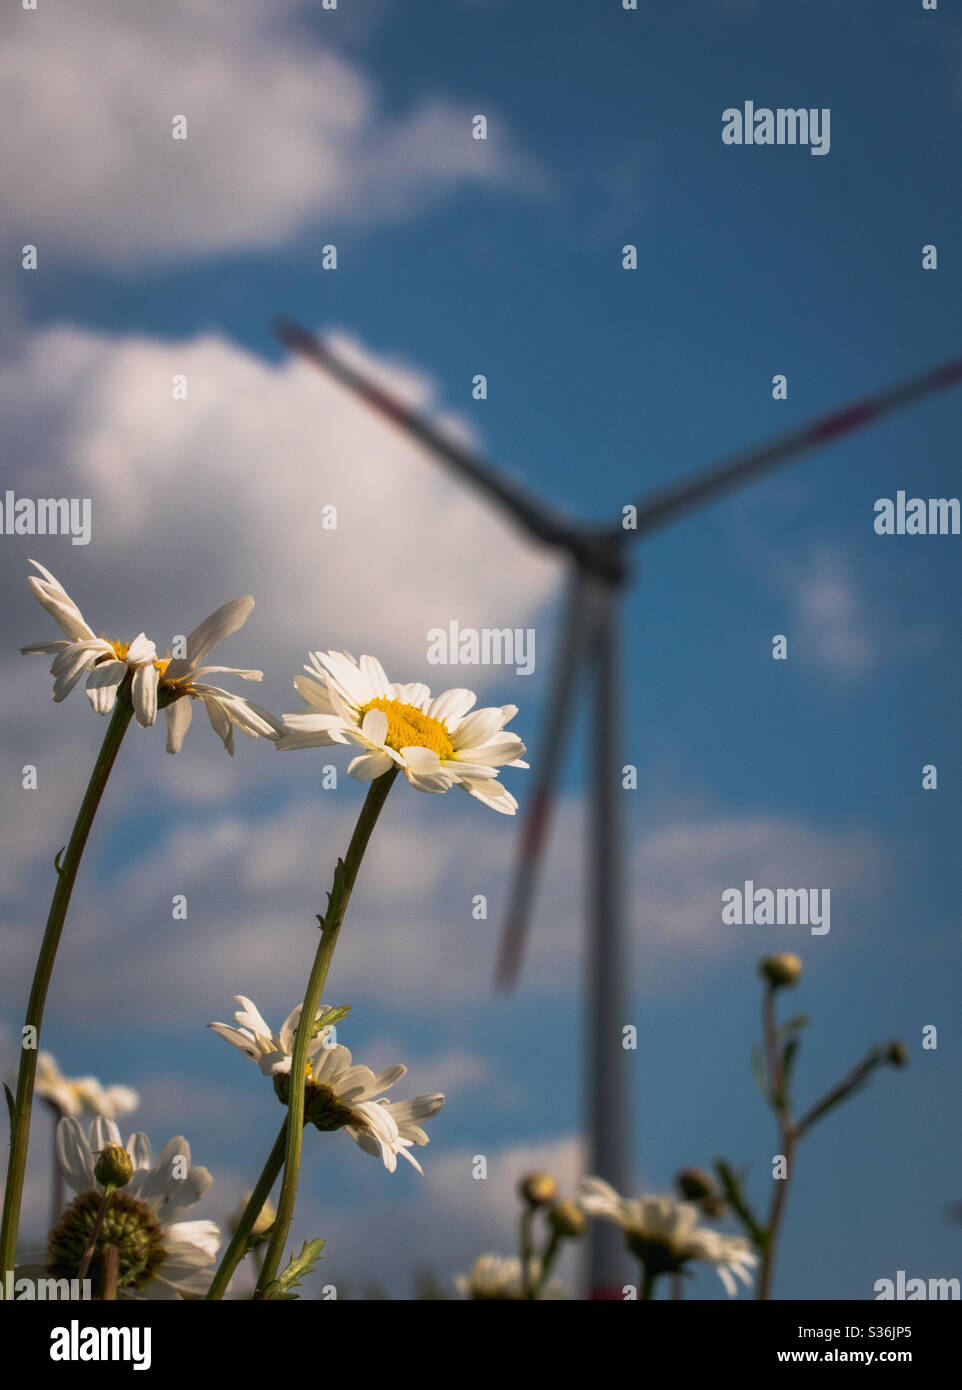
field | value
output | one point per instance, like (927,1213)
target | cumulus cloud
(225,492)
(440,1225)
(839,628)
(412,941)
(196,501)
(283,134)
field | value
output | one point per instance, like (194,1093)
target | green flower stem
(525,1247)
(237,1249)
(647,1282)
(111,1272)
(547,1261)
(790,1132)
(776,1073)
(788,1139)
(776,1213)
(94,1234)
(852,1082)
(26,1078)
(340,895)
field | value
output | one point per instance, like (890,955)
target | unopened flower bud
(694,1184)
(568,1219)
(714,1206)
(114,1167)
(781,969)
(264,1221)
(538,1189)
(898,1053)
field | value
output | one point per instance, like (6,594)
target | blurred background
(159,258)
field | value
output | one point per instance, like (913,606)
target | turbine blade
(666,505)
(541,521)
(578,625)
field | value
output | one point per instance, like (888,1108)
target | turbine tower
(599,574)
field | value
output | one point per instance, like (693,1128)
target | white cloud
(444,1221)
(193,503)
(837,627)
(196,501)
(254,882)
(834,625)
(282,133)
(453,1073)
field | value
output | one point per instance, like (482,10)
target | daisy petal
(367,766)
(103,683)
(179,715)
(144,694)
(225,620)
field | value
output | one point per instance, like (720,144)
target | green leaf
(299,1266)
(57,858)
(331,1016)
(793,1025)
(789,1055)
(760,1071)
(338,886)
(733,1188)
(10,1104)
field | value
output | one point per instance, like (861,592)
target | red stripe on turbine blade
(863,411)
(387,403)
(844,420)
(534,831)
(515,931)
(952,371)
(509,957)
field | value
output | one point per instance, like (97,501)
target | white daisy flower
(254,1038)
(81,651)
(160,1257)
(225,710)
(155,683)
(498,1277)
(436,742)
(83,1095)
(664,1234)
(340,1094)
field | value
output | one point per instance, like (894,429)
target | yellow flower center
(407,727)
(122,648)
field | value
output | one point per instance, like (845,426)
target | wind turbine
(590,639)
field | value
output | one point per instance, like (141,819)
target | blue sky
(307,128)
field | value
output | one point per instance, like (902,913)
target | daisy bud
(694,1184)
(264,1221)
(538,1189)
(114,1167)
(714,1206)
(781,969)
(898,1054)
(568,1219)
